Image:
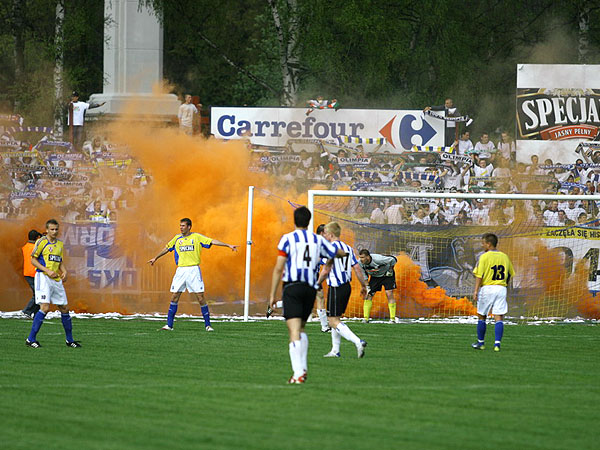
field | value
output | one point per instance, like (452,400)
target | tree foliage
(366,53)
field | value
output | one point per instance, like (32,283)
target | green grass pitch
(420,386)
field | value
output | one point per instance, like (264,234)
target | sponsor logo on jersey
(55,258)
(186,248)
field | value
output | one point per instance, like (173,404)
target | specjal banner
(558,107)
(448,254)
(558,114)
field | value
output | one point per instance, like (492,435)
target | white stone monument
(133,65)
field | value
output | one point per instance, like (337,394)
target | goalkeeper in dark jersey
(380,270)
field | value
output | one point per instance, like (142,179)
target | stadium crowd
(463,167)
(90,184)
(97,181)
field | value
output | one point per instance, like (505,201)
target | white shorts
(48,290)
(492,298)
(189,278)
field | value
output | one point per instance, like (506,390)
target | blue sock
(171,315)
(68,326)
(38,320)
(499,331)
(481,331)
(206,315)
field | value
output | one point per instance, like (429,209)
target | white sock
(347,333)
(335,340)
(322,317)
(296,358)
(304,348)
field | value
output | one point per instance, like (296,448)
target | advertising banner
(401,129)
(558,107)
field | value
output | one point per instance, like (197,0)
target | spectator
(485,147)
(76,119)
(99,213)
(395,212)
(551,214)
(534,168)
(187,113)
(461,218)
(450,127)
(465,143)
(420,217)
(573,210)
(482,170)
(377,215)
(480,212)
(507,147)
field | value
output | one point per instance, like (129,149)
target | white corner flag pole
(248,253)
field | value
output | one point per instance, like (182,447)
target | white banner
(275,126)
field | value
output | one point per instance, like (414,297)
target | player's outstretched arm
(276,278)
(153,260)
(223,244)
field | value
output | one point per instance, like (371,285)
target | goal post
(556,265)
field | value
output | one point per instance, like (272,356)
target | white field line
(471,320)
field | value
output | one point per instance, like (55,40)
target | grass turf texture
(420,386)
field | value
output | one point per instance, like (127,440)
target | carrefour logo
(229,126)
(404,132)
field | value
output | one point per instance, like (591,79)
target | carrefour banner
(558,106)
(275,126)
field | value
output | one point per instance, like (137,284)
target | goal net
(553,242)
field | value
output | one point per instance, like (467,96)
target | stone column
(133,65)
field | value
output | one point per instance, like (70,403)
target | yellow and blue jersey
(494,268)
(49,254)
(187,249)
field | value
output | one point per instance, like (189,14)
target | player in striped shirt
(186,248)
(339,276)
(47,258)
(297,266)
(492,275)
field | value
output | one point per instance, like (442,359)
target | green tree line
(366,53)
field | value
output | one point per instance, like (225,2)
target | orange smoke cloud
(207,181)
(13,235)
(414,297)
(435,300)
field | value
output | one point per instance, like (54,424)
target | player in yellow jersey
(187,248)
(493,273)
(47,258)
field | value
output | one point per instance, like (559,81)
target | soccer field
(420,386)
